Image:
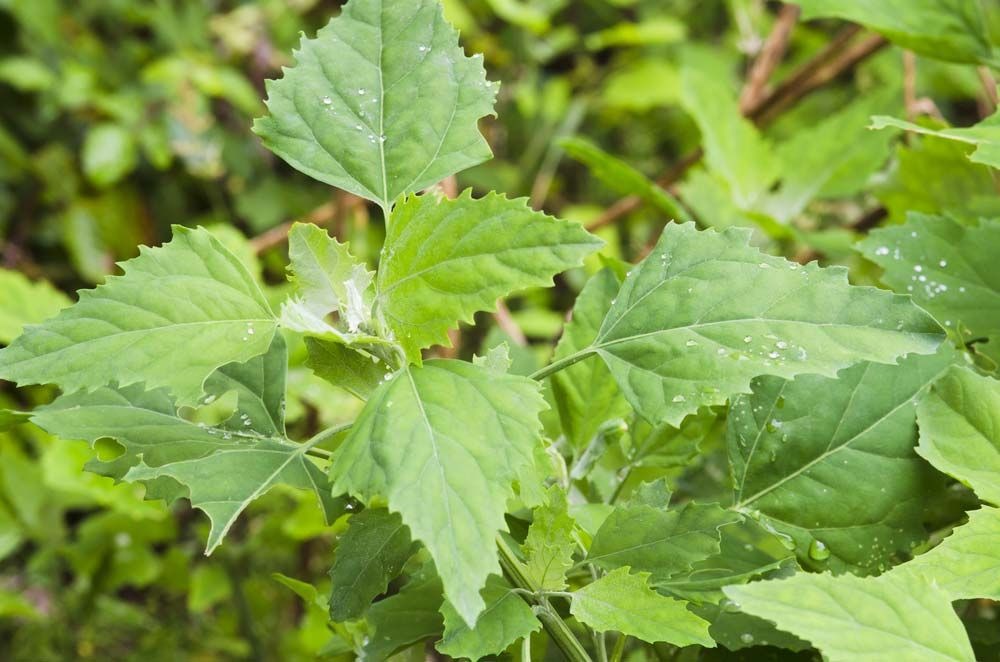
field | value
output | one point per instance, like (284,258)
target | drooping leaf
(985,136)
(664,543)
(506,619)
(338,364)
(410,616)
(623,178)
(704,313)
(585,394)
(549,546)
(443,444)
(623,602)
(960,430)
(965,564)
(947,267)
(381,102)
(830,463)
(952,30)
(447,259)
(907,616)
(734,148)
(223,468)
(180,312)
(25,302)
(369,555)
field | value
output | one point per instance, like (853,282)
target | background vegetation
(119,118)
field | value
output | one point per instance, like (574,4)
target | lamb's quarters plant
(480,506)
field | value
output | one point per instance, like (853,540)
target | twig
(506,322)
(770,55)
(989,89)
(279,233)
(910,85)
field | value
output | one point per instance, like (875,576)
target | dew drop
(746,638)
(327,101)
(882,250)
(943,263)
(679,398)
(818,551)
(748,339)
(773,355)
(781,344)
(918,268)
(721,351)
(730,605)
(361,91)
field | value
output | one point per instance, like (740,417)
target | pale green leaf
(109,153)
(648,83)
(704,313)
(445,260)
(25,302)
(948,268)
(443,443)
(960,430)
(852,619)
(734,148)
(663,29)
(664,543)
(585,394)
(382,102)
(985,136)
(497,359)
(506,619)
(830,463)
(548,548)
(623,602)
(952,30)
(965,564)
(180,312)
(369,555)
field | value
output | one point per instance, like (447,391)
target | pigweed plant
(489,511)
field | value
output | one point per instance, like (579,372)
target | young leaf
(985,136)
(328,279)
(960,430)
(704,313)
(830,462)
(25,302)
(662,543)
(180,312)
(946,266)
(549,545)
(624,602)
(952,30)
(349,369)
(447,259)
(444,443)
(410,616)
(734,148)
(260,390)
(965,564)
(907,616)
(585,394)
(506,619)
(382,102)
(369,555)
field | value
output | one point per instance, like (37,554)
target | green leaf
(357,372)
(704,313)
(223,468)
(382,102)
(328,279)
(622,178)
(946,266)
(180,312)
(960,430)
(953,30)
(506,619)
(585,394)
(25,302)
(852,618)
(444,260)
(734,148)
(965,564)
(443,444)
(624,602)
(410,616)
(369,555)
(109,153)
(663,543)
(259,385)
(830,463)
(985,136)
(549,546)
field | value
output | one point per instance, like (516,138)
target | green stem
(324,435)
(619,649)
(556,627)
(562,364)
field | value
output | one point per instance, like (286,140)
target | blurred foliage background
(119,118)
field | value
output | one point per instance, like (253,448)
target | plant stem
(619,649)
(321,436)
(556,627)
(562,364)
